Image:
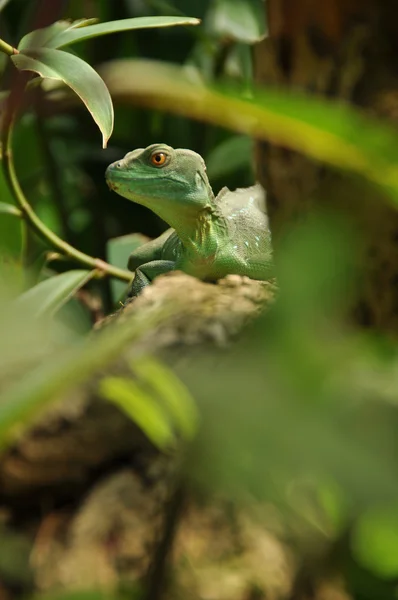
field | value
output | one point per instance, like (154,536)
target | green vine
(28,214)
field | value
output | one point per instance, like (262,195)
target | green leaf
(326,131)
(50,295)
(83,23)
(156,400)
(141,407)
(78,75)
(333,501)
(375,541)
(118,251)
(172,393)
(68,367)
(46,36)
(43,37)
(238,20)
(3,4)
(62,36)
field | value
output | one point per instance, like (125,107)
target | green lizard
(210,237)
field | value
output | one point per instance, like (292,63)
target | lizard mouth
(112,185)
(113,177)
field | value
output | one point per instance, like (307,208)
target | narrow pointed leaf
(50,295)
(43,37)
(171,392)
(78,75)
(39,387)
(3,4)
(62,33)
(141,407)
(47,36)
(238,20)
(83,23)
(74,35)
(375,541)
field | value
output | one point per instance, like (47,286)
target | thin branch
(157,571)
(33,220)
(10,209)
(7,48)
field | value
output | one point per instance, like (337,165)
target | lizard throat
(208,234)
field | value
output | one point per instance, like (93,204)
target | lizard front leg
(146,273)
(149,251)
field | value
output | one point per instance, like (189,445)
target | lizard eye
(158,159)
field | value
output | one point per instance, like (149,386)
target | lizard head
(168,181)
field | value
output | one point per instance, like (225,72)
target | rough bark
(346,50)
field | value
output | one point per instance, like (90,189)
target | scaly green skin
(210,237)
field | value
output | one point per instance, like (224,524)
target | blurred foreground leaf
(48,296)
(288,403)
(3,4)
(141,407)
(375,541)
(69,365)
(96,594)
(237,20)
(174,396)
(156,400)
(324,130)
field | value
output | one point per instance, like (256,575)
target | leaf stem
(33,220)
(10,209)
(7,48)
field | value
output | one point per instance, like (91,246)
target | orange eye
(158,159)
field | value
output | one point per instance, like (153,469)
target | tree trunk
(346,50)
